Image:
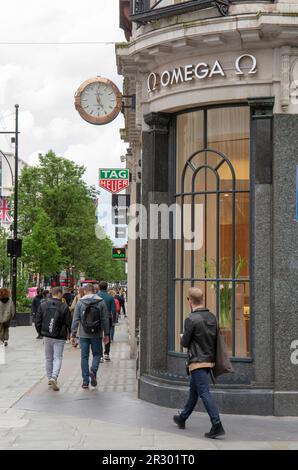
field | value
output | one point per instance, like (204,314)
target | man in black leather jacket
(200,334)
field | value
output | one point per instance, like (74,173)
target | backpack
(52,320)
(91,319)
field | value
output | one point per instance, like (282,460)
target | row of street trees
(57,217)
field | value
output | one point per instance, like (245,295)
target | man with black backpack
(53,322)
(92,315)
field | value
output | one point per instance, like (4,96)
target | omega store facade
(216,87)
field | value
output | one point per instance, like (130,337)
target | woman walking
(7,312)
(79,295)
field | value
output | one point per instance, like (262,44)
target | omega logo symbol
(200,71)
(253,69)
(153,81)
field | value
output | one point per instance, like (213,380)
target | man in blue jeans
(92,315)
(200,334)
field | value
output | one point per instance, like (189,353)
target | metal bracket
(223,6)
(133,102)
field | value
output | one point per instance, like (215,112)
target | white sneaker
(54,385)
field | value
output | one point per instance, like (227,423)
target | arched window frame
(174,196)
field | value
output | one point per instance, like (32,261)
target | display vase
(225,316)
(225,308)
(227,336)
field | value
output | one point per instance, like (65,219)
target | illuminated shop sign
(246,63)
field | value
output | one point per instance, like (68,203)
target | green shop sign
(119,253)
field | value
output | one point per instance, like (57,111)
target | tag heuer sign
(119,253)
(114,180)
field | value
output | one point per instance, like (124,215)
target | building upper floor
(147,11)
(148,22)
(183,52)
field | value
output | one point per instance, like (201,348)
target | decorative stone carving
(285,78)
(294,80)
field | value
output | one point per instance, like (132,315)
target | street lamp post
(15,217)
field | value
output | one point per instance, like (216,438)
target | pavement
(109,417)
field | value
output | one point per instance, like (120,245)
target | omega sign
(201,71)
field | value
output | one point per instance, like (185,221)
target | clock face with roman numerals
(98,101)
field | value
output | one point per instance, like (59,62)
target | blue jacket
(110,303)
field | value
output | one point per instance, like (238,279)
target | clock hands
(98,98)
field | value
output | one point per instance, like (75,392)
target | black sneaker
(93,378)
(5,343)
(216,431)
(85,386)
(39,337)
(179,421)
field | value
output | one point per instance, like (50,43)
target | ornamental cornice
(261,29)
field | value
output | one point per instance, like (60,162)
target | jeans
(112,333)
(53,354)
(108,347)
(199,387)
(4,332)
(96,348)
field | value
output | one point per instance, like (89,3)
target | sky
(43,79)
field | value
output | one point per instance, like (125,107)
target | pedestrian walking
(78,296)
(122,302)
(92,316)
(7,312)
(118,302)
(68,296)
(199,337)
(53,322)
(46,294)
(110,304)
(35,306)
(112,292)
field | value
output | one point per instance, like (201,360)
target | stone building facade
(216,127)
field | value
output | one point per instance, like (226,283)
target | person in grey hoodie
(85,315)
(7,312)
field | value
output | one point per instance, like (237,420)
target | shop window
(213,172)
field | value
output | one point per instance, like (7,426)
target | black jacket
(36,303)
(66,318)
(200,333)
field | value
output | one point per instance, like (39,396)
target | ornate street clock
(98,101)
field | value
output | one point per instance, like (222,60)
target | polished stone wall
(285,262)
(261,239)
(154,253)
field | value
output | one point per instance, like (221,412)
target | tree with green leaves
(56,188)
(101,266)
(41,252)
